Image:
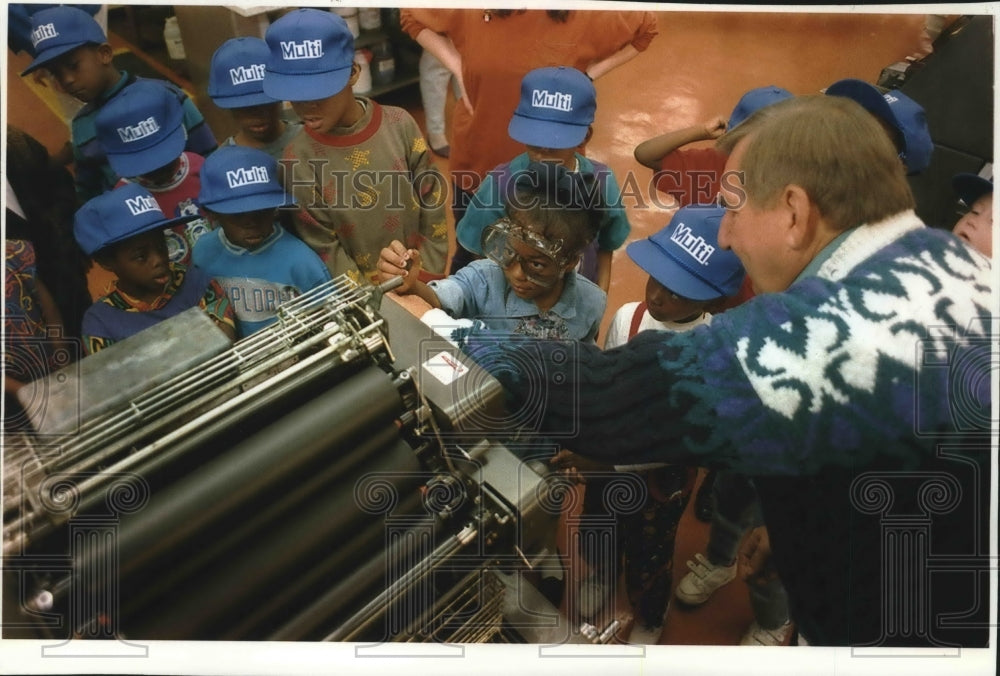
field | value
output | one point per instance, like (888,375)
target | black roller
(205,608)
(232,482)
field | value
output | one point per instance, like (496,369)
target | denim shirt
(480,291)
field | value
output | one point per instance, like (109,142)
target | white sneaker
(643,635)
(591,598)
(697,586)
(758,635)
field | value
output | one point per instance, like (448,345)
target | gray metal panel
(469,407)
(109,379)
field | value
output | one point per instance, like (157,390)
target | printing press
(340,475)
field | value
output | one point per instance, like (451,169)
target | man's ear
(804,223)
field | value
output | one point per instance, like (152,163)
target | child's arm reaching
(396,260)
(651,152)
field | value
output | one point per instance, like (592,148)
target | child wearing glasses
(527,284)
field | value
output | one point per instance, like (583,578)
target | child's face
(260,123)
(162,176)
(85,72)
(563,156)
(666,306)
(976,227)
(339,110)
(141,264)
(532,275)
(249,229)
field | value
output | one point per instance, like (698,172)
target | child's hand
(396,260)
(755,557)
(715,127)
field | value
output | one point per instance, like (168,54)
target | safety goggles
(506,242)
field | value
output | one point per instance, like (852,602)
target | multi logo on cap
(59,30)
(142,128)
(236,74)
(310,56)
(118,215)
(685,256)
(238,179)
(556,109)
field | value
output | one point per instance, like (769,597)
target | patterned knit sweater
(864,367)
(362,187)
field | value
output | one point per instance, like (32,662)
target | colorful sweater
(117,316)
(835,396)
(364,186)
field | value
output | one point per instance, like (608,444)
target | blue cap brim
(150,158)
(546,134)
(243,100)
(669,272)
(50,55)
(162,225)
(306,86)
(245,203)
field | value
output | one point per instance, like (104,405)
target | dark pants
(643,539)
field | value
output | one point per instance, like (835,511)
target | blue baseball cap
(556,109)
(311,53)
(900,112)
(142,128)
(59,30)
(237,179)
(754,100)
(115,216)
(970,187)
(686,258)
(236,75)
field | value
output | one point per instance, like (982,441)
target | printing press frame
(300,484)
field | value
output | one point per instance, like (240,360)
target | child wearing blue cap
(72,46)
(902,118)
(693,175)
(236,83)
(142,133)
(361,172)
(975,227)
(123,231)
(553,120)
(687,272)
(527,284)
(257,262)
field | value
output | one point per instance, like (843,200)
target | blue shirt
(93,173)
(257,281)
(480,291)
(488,204)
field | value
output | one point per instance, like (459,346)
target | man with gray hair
(851,388)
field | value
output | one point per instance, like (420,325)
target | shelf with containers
(392,56)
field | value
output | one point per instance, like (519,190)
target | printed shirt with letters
(375,184)
(177,197)
(480,291)
(258,280)
(92,172)
(117,315)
